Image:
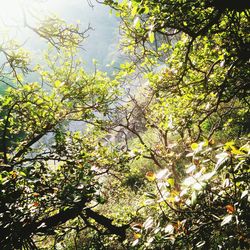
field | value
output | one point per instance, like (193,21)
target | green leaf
(134,11)
(100,199)
(151,36)
(22,173)
(193,198)
(245,148)
(150,195)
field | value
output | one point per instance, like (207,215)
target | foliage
(49,173)
(209,210)
(89,162)
(190,66)
(194,58)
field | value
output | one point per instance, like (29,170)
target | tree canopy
(152,156)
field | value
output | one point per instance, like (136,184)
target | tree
(176,148)
(209,210)
(194,58)
(197,82)
(50,175)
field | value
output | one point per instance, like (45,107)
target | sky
(101,43)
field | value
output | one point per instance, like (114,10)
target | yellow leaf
(171,182)
(194,146)
(137,236)
(57,83)
(205,143)
(211,142)
(229,145)
(236,151)
(150,176)
(134,11)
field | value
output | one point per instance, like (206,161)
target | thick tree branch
(107,223)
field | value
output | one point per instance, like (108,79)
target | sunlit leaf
(149,202)
(222,160)
(245,148)
(191,169)
(164,196)
(208,176)
(137,23)
(137,227)
(236,151)
(148,223)
(162,174)
(198,186)
(170,181)
(193,198)
(229,145)
(169,229)
(57,83)
(194,146)
(137,235)
(134,10)
(200,244)
(135,242)
(226,219)
(190,154)
(151,36)
(189,181)
(244,193)
(22,173)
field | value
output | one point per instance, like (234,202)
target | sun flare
(11,12)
